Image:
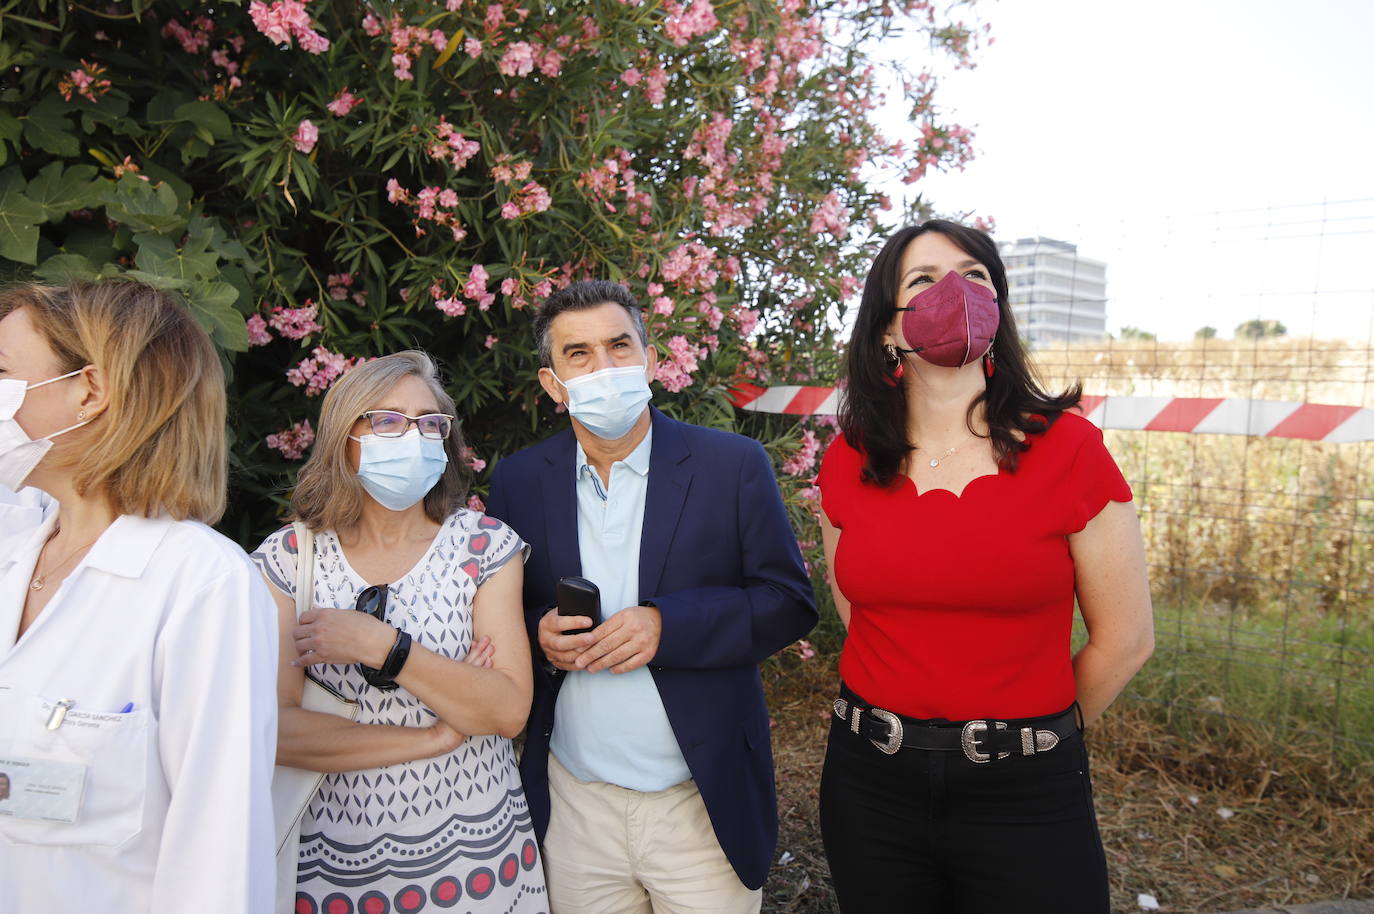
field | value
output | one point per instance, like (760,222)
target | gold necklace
(935,461)
(39,580)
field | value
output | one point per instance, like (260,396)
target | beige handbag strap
(305,567)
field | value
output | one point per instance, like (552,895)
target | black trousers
(934,833)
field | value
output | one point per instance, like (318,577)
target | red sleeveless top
(962,607)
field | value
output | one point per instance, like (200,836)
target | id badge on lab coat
(41,789)
(82,781)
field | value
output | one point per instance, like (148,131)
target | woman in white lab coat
(137,646)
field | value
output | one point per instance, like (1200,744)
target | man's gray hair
(587,293)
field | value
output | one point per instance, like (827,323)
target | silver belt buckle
(968,739)
(894,733)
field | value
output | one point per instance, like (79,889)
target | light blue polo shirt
(611,727)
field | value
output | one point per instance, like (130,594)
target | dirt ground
(1203,825)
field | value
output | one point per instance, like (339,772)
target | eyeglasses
(372,600)
(387,423)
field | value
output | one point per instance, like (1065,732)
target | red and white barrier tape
(1199,415)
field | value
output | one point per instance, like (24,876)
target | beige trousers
(610,850)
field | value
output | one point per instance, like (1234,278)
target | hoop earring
(896,367)
(989,363)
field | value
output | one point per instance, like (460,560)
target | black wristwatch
(384,679)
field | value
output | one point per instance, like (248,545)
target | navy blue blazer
(719,558)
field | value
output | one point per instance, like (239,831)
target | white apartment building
(1057,294)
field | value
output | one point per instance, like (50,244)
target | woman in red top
(964,510)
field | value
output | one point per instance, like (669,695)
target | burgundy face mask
(951,323)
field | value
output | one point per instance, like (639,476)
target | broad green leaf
(61,269)
(156,173)
(209,119)
(59,192)
(142,205)
(95,243)
(212,303)
(157,254)
(46,127)
(11,129)
(19,219)
(163,107)
(156,280)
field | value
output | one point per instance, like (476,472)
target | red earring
(989,363)
(897,366)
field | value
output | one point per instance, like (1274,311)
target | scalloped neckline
(958,496)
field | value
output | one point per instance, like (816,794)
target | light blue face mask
(608,402)
(398,472)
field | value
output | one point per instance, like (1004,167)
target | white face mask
(19,453)
(608,402)
(398,472)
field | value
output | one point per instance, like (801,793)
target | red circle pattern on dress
(480,883)
(410,899)
(446,892)
(374,903)
(337,903)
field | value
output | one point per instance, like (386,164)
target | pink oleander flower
(287,19)
(472,47)
(829,217)
(509,285)
(295,323)
(85,82)
(518,59)
(804,458)
(475,504)
(307,134)
(293,441)
(343,103)
(257,331)
(492,340)
(682,25)
(631,77)
(656,86)
(453,307)
(551,64)
(675,370)
(320,370)
(746,320)
(663,305)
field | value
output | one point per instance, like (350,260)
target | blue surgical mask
(608,402)
(398,472)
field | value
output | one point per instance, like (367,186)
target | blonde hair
(328,494)
(158,447)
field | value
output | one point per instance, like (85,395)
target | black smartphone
(579,597)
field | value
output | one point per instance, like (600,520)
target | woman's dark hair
(873,412)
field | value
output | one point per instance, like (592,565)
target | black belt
(979,740)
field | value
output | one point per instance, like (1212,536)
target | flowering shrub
(331,180)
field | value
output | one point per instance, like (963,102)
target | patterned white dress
(450,832)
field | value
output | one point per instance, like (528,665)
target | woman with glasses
(417,616)
(137,646)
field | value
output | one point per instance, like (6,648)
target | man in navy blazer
(647,761)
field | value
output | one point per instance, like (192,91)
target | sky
(1217,154)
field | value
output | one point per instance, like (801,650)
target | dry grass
(1300,830)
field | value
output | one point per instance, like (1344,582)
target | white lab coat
(176,812)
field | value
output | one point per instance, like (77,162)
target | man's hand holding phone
(563,649)
(574,637)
